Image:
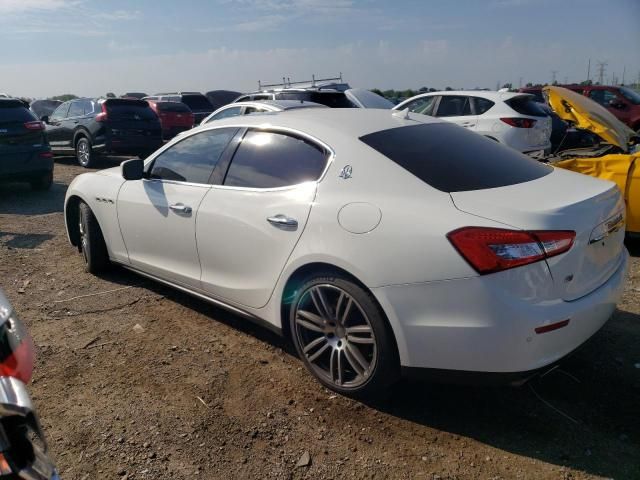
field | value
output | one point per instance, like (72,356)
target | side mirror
(133,169)
(44,118)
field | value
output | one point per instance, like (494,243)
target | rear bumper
(25,170)
(483,324)
(129,146)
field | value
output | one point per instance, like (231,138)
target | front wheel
(92,245)
(343,337)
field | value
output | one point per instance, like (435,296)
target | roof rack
(287,83)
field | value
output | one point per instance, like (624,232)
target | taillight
(35,125)
(46,155)
(519,122)
(102,117)
(491,250)
(16,349)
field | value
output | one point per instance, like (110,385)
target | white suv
(513,119)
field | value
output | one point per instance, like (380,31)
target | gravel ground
(147,383)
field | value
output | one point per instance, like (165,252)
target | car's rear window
(330,99)
(452,159)
(197,102)
(15,111)
(130,110)
(526,106)
(173,107)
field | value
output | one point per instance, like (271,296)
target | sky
(91,47)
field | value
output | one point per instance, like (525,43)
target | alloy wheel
(84,239)
(335,336)
(83,152)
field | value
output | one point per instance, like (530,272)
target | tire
(43,182)
(84,153)
(92,245)
(350,349)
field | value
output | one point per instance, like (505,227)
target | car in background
(377,242)
(616,158)
(622,102)
(197,103)
(43,108)
(259,106)
(25,154)
(136,95)
(5,95)
(513,119)
(23,448)
(220,98)
(87,128)
(330,92)
(175,117)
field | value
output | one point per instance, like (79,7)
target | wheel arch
(81,132)
(71,213)
(297,277)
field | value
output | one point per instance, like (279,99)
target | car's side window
(250,110)
(482,105)
(194,158)
(88,107)
(453,106)
(423,105)
(266,159)
(229,112)
(76,110)
(603,97)
(60,112)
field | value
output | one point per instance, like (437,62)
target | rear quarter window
(452,159)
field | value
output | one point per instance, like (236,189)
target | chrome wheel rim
(335,336)
(83,152)
(84,240)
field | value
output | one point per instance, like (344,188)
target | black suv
(24,150)
(197,102)
(89,127)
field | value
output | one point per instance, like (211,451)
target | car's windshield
(631,95)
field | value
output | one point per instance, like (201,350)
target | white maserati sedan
(378,242)
(513,119)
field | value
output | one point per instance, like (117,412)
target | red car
(623,102)
(175,117)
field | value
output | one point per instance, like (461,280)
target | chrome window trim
(317,141)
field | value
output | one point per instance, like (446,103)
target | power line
(602,67)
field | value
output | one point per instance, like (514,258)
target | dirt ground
(199,393)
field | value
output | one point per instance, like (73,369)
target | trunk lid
(588,115)
(562,200)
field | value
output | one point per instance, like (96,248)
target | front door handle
(180,208)
(283,221)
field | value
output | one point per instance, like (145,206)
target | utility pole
(553,76)
(520,83)
(602,67)
(566,80)
(624,70)
(589,71)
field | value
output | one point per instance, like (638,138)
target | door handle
(283,221)
(180,208)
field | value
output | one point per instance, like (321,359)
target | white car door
(457,109)
(158,214)
(248,226)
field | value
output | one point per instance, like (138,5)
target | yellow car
(616,159)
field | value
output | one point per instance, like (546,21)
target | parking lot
(134,380)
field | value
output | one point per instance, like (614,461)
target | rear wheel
(43,182)
(92,245)
(84,153)
(342,336)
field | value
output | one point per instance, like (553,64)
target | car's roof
(489,95)
(326,123)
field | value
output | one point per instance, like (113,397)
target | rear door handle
(180,208)
(283,221)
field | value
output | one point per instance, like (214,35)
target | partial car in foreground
(513,119)
(25,155)
(258,106)
(23,448)
(376,241)
(175,117)
(90,127)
